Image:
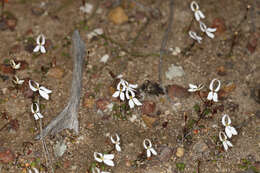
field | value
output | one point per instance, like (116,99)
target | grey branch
(68,118)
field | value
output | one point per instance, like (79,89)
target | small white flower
(14,65)
(132,100)
(228,129)
(40,44)
(17,81)
(87,8)
(149,149)
(116,142)
(197,13)
(120,90)
(208,31)
(213,92)
(97,170)
(34,169)
(194,36)
(226,143)
(36,112)
(106,158)
(44,92)
(194,88)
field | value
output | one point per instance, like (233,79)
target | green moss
(180,166)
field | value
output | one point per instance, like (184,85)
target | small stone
(55,72)
(6,156)
(59,149)
(219,24)
(165,153)
(128,163)
(221,71)
(102,104)
(180,152)
(176,91)
(252,42)
(118,16)
(37,11)
(149,121)
(148,107)
(200,147)
(104,58)
(174,71)
(229,87)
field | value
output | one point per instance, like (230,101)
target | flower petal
(193,86)
(233,130)
(201,14)
(133,85)
(225,145)
(32,87)
(122,96)
(203,27)
(148,153)
(35,170)
(211,29)
(35,116)
(229,143)
(211,35)
(109,156)
(44,94)
(197,17)
(98,156)
(131,103)
(118,148)
(228,132)
(39,115)
(43,50)
(36,49)
(137,102)
(109,162)
(194,6)
(210,95)
(116,94)
(45,90)
(224,119)
(153,151)
(215,97)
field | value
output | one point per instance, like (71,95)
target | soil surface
(183,127)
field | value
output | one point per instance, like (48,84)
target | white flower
(96,170)
(194,36)
(40,44)
(106,158)
(213,92)
(132,100)
(149,149)
(120,90)
(14,65)
(36,113)
(44,92)
(87,8)
(197,13)
(34,169)
(228,129)
(226,143)
(208,31)
(116,142)
(194,88)
(17,81)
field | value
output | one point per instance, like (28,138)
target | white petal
(36,49)
(38,39)
(215,97)
(32,87)
(35,170)
(211,29)
(137,102)
(98,156)
(95,170)
(43,39)
(201,14)
(228,132)
(35,116)
(45,90)
(233,130)
(39,115)
(131,103)
(109,156)
(193,86)
(192,34)
(194,6)
(118,148)
(225,145)
(203,27)
(133,85)
(229,143)
(197,17)
(210,95)
(153,151)
(43,50)
(112,140)
(30,171)
(218,87)
(224,119)
(192,90)
(109,162)
(212,84)
(211,35)
(145,143)
(116,94)
(148,153)
(122,96)
(44,94)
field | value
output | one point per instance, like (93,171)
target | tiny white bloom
(120,90)
(194,36)
(97,170)
(40,44)
(104,58)
(17,81)
(87,8)
(213,92)
(14,65)
(209,31)
(36,112)
(228,129)
(44,92)
(106,158)
(197,13)
(194,88)
(149,149)
(116,142)
(132,100)
(226,143)
(34,169)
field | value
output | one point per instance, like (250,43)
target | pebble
(149,121)
(59,149)
(118,16)
(104,58)
(177,91)
(200,147)
(148,107)
(174,71)
(180,152)
(165,153)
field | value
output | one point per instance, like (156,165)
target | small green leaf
(180,166)
(196,107)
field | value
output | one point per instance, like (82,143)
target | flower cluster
(124,89)
(44,92)
(40,44)
(229,130)
(198,16)
(149,149)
